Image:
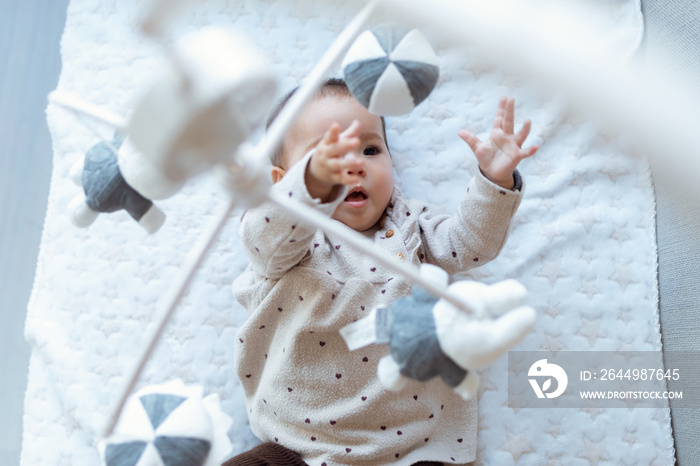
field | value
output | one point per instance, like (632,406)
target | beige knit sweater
(303,388)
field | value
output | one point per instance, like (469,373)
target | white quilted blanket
(583,244)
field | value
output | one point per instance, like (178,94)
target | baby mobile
(217,90)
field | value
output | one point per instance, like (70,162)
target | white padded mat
(583,243)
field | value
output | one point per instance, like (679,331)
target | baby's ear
(277,174)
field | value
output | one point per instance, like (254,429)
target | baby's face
(366,201)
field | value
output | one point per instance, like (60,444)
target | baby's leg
(267,454)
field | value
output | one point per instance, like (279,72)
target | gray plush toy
(429,337)
(115,177)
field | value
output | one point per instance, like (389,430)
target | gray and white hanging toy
(169,425)
(391,69)
(213,93)
(429,337)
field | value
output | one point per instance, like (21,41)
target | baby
(308,398)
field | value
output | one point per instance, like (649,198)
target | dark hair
(331,87)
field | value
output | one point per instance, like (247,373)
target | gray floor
(30,32)
(672,33)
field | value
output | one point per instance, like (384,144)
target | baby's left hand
(501,154)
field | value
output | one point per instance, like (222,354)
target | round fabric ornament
(169,425)
(390,69)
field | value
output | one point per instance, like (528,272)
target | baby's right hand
(335,161)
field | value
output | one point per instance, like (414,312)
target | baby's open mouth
(356,198)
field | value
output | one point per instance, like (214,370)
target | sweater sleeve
(477,232)
(275,239)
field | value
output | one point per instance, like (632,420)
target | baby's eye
(371,150)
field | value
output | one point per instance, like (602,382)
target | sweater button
(389,233)
(400,256)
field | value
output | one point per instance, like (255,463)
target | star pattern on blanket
(625,346)
(590,329)
(594,412)
(479,69)
(69,422)
(554,430)
(267,23)
(630,437)
(485,383)
(219,360)
(109,327)
(554,460)
(587,217)
(594,452)
(220,321)
(400,125)
(552,343)
(511,254)
(552,309)
(587,255)
(614,170)
(107,368)
(549,231)
(148,273)
(546,205)
(624,276)
(552,271)
(180,334)
(580,180)
(475,100)
(402,163)
(233,9)
(620,235)
(183,370)
(515,402)
(114,255)
(438,112)
(588,288)
(436,177)
(516,445)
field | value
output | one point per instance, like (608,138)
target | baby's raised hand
(335,161)
(501,154)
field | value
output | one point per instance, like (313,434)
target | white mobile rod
(365,246)
(284,121)
(177,291)
(277,132)
(308,88)
(71,102)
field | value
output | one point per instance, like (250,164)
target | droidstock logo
(542,368)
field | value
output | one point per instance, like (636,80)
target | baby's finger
(523,133)
(352,131)
(469,138)
(347,162)
(532,150)
(352,162)
(509,116)
(498,120)
(349,173)
(331,136)
(529,152)
(338,148)
(342,147)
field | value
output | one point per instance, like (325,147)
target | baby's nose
(359,172)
